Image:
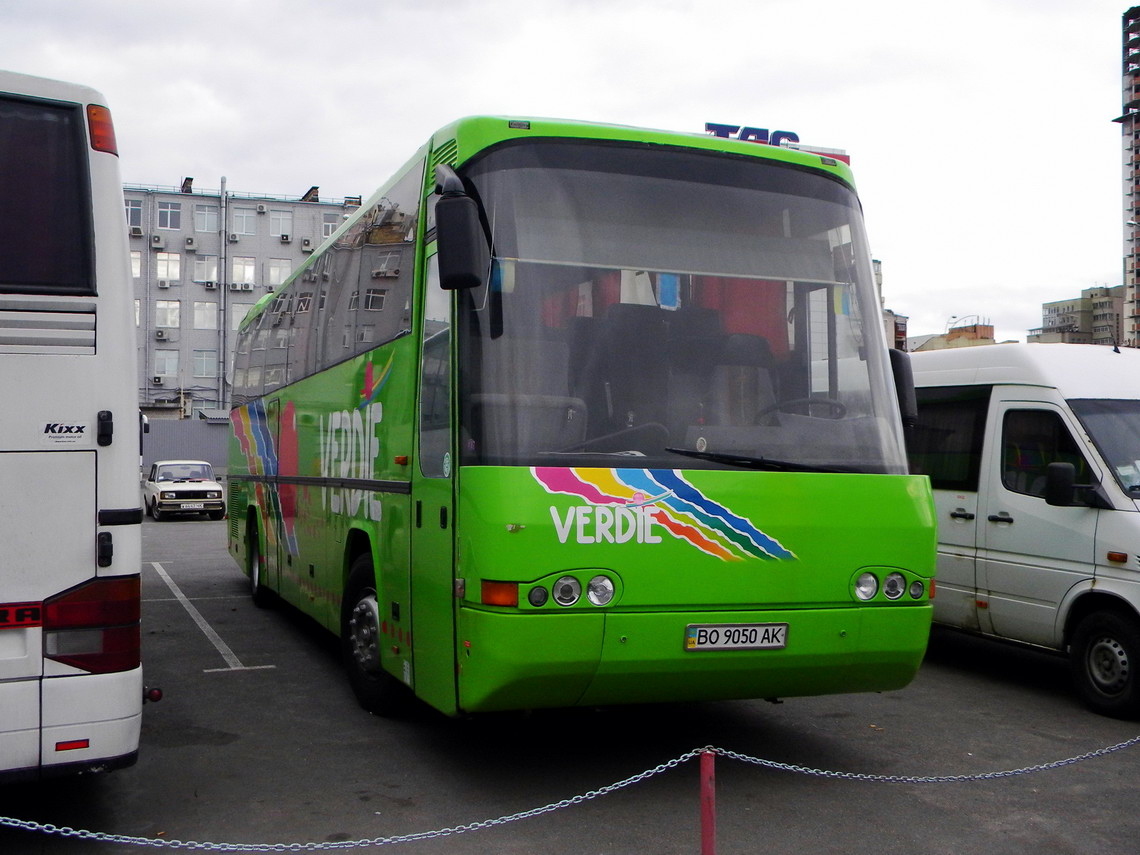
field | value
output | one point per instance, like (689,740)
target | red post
(708,803)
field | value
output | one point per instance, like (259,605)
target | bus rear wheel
(1105,657)
(361,642)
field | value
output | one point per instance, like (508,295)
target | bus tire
(376,690)
(260,595)
(1105,657)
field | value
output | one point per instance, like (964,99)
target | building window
(245,221)
(167,313)
(166,363)
(169,266)
(138,313)
(170,215)
(134,212)
(374,299)
(206,218)
(136,263)
(329,224)
(244,268)
(205,363)
(281,222)
(279,270)
(238,312)
(206,268)
(205,315)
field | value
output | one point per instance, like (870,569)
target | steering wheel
(835,409)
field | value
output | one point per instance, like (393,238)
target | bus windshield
(648,303)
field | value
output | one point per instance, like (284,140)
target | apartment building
(200,260)
(1095,317)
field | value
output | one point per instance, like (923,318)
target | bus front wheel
(1106,663)
(260,595)
(361,642)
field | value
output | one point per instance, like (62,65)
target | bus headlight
(866,586)
(600,591)
(917,589)
(567,591)
(894,586)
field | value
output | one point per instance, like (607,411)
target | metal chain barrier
(104,837)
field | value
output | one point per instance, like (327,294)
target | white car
(182,487)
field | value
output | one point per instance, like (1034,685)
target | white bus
(70,516)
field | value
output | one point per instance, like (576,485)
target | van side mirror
(1060,484)
(464,256)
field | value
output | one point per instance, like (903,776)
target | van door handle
(961,514)
(1003,517)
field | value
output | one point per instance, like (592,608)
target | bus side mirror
(464,257)
(904,387)
(1060,484)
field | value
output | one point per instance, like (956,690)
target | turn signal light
(499,593)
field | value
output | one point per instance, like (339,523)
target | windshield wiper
(745,461)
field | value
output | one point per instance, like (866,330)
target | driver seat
(742,380)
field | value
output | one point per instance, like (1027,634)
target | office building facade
(200,260)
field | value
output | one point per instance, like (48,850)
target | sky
(980,131)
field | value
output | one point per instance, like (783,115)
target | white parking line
(233,663)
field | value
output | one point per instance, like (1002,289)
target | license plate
(193,506)
(736,636)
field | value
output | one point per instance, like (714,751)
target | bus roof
(474,133)
(1075,370)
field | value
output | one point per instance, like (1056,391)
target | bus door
(275,552)
(433,510)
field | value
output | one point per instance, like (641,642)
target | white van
(1033,452)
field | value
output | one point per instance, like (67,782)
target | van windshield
(1114,426)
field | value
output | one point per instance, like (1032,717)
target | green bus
(575,414)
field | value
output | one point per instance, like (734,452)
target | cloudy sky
(980,131)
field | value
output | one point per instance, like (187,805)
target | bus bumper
(511,661)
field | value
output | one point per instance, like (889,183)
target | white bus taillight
(95,626)
(102,130)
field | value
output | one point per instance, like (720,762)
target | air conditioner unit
(163,283)
(261,209)
(285,238)
(191,243)
(306,245)
(211,285)
(246,286)
(136,231)
(160,333)
(157,242)
(233,237)
(156,380)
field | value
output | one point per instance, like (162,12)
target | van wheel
(361,642)
(1105,657)
(260,595)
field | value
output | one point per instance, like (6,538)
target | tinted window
(45,226)
(947,441)
(1031,440)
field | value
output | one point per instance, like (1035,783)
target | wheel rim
(1108,666)
(364,633)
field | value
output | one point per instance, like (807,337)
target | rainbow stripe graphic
(255,438)
(681,509)
(374,381)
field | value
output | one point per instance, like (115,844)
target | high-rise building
(1130,126)
(200,260)
(1095,317)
